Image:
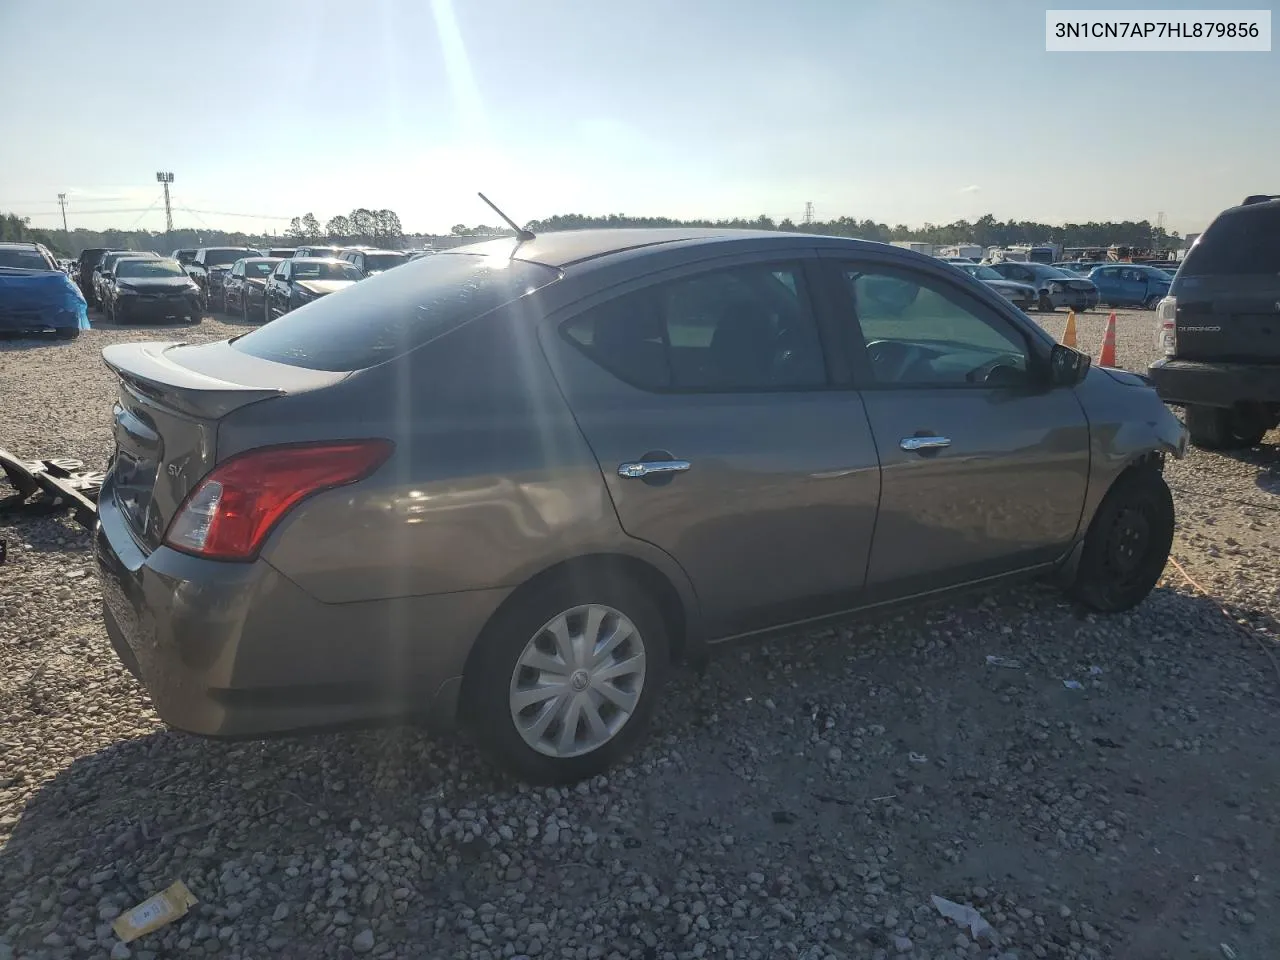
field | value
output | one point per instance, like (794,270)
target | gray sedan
(1054,287)
(1021,295)
(510,483)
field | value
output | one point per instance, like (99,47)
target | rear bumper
(231,650)
(1215,384)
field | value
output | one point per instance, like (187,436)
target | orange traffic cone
(1069,337)
(1107,358)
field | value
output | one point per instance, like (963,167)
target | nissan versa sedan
(509,483)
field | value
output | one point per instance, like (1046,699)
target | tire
(1046,304)
(67,333)
(1222,428)
(266,310)
(244,306)
(1127,544)
(1151,302)
(495,675)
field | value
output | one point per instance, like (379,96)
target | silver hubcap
(578,681)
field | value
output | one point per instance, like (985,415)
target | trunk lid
(171,399)
(1229,318)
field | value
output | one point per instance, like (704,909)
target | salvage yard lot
(802,798)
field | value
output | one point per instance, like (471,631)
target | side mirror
(1067,367)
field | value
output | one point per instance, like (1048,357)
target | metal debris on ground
(993,661)
(917,757)
(1073,684)
(63,482)
(965,916)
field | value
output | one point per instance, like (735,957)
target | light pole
(166,177)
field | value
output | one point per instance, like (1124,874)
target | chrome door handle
(924,443)
(647,468)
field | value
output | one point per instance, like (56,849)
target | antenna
(521,234)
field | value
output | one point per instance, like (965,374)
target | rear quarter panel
(490,484)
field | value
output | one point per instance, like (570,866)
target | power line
(148,210)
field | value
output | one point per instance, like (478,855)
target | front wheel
(67,333)
(1046,304)
(1152,301)
(244,306)
(1127,544)
(564,680)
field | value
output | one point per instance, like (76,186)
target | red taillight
(230,512)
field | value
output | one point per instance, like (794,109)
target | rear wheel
(563,681)
(1127,544)
(1223,428)
(1151,302)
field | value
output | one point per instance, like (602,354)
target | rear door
(1228,289)
(984,467)
(724,438)
(1107,280)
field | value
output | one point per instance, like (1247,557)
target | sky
(902,111)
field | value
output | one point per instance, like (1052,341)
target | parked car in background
(22,255)
(320,252)
(300,280)
(37,297)
(209,267)
(1022,295)
(1054,288)
(500,484)
(184,255)
(87,260)
(151,288)
(104,271)
(374,261)
(282,252)
(1131,285)
(242,291)
(1219,329)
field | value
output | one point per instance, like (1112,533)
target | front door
(723,439)
(984,466)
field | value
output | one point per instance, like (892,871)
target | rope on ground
(1225,612)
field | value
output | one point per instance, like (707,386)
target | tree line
(383,228)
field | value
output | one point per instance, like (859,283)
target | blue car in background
(1131,284)
(36,296)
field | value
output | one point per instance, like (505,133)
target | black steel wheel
(1127,544)
(1046,304)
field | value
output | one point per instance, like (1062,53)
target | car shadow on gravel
(886,741)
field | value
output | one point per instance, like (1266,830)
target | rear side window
(1242,241)
(749,328)
(388,315)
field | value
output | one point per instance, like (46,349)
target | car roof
(262,259)
(28,244)
(315,260)
(568,247)
(377,250)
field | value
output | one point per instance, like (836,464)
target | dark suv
(1219,329)
(210,266)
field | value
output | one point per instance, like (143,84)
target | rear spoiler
(146,368)
(1261,198)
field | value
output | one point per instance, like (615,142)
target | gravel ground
(802,798)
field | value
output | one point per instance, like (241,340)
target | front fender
(1128,423)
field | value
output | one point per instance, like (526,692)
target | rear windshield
(23,259)
(149,268)
(394,312)
(1240,241)
(260,268)
(321,252)
(383,261)
(216,258)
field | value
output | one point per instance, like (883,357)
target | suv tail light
(232,510)
(1166,326)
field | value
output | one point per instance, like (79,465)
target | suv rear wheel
(1224,428)
(564,679)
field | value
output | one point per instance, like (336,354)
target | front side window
(746,328)
(920,332)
